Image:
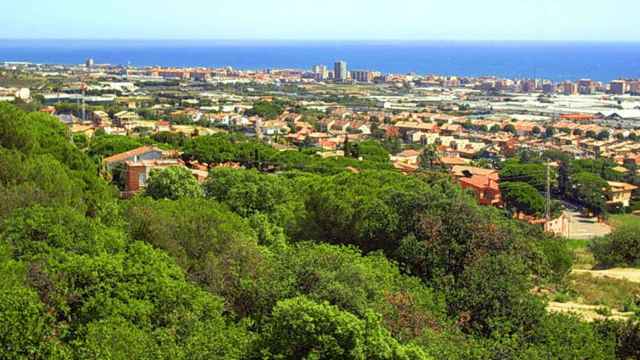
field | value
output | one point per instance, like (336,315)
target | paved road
(585,228)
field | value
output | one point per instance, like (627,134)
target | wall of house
(559,226)
(133,178)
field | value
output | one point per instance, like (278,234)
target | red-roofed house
(138,154)
(485,187)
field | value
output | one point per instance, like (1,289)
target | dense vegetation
(298,257)
(620,248)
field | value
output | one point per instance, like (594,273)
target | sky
(414,20)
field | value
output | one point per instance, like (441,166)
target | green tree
(494,297)
(509,128)
(620,248)
(214,246)
(536,130)
(523,197)
(429,158)
(534,174)
(107,145)
(173,183)
(589,191)
(301,328)
(603,135)
(266,109)
(549,132)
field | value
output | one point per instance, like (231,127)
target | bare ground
(628,274)
(587,312)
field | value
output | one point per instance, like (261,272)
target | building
(23,94)
(585,86)
(89,63)
(548,88)
(617,87)
(135,155)
(138,171)
(528,86)
(100,118)
(569,88)
(620,193)
(125,118)
(485,188)
(363,76)
(340,71)
(321,72)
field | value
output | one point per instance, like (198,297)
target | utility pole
(548,193)
(84,107)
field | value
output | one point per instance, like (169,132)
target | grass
(606,293)
(612,293)
(582,257)
(563,297)
(619,220)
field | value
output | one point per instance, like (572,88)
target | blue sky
(588,20)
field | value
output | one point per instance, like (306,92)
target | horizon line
(398,40)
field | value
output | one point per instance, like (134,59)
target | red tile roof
(131,153)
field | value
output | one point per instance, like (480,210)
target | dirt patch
(632,275)
(587,312)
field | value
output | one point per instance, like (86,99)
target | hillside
(295,257)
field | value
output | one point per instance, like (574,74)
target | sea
(557,61)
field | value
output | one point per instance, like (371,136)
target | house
(339,125)
(451,129)
(409,156)
(405,167)
(485,188)
(68,119)
(135,155)
(100,118)
(137,172)
(620,193)
(86,130)
(49,110)
(620,169)
(163,126)
(460,171)
(362,127)
(453,161)
(124,118)
(408,128)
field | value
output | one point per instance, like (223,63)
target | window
(142,178)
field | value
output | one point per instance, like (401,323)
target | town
(475,129)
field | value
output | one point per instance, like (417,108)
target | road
(584,228)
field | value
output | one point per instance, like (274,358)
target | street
(583,228)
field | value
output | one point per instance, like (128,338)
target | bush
(621,248)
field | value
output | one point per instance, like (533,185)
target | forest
(293,257)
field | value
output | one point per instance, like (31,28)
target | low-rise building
(620,193)
(135,155)
(485,188)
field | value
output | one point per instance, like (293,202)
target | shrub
(621,248)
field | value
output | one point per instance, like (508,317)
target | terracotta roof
(131,153)
(408,153)
(577,116)
(481,182)
(405,167)
(453,161)
(459,171)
